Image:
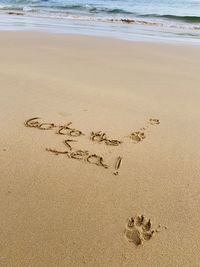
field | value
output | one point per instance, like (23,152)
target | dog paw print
(139,230)
(137,136)
(154,121)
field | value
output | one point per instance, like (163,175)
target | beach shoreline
(61,207)
(119,28)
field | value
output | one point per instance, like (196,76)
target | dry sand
(56,211)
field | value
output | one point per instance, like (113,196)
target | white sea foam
(27,9)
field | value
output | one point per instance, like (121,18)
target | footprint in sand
(138,230)
(137,136)
(154,121)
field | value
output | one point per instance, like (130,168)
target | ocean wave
(110,11)
(88,8)
(10,8)
(189,19)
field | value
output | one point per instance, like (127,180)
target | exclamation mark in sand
(117,165)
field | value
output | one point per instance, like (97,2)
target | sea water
(129,19)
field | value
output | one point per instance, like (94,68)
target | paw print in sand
(138,230)
(137,136)
(154,121)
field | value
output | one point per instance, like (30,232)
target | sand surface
(58,211)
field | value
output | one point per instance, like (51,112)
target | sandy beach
(72,204)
